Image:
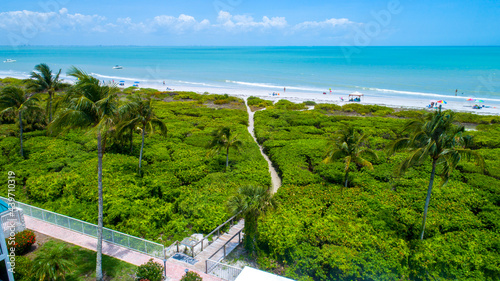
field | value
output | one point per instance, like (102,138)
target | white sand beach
(455,103)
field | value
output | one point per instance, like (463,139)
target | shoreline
(412,102)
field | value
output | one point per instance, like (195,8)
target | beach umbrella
(441,101)
(470,99)
(479,101)
(122,81)
(136,82)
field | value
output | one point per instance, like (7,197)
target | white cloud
(29,24)
(179,24)
(20,21)
(326,24)
(247,23)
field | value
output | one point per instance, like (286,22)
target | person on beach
(456,91)
(284,89)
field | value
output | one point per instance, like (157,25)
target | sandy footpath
(276,180)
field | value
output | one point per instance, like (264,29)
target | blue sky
(247,23)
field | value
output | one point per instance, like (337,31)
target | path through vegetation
(276,180)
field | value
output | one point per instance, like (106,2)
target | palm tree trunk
(21,131)
(100,215)
(429,191)
(131,140)
(50,106)
(346,178)
(142,147)
(227,157)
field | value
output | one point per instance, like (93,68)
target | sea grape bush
(151,271)
(191,276)
(181,190)
(256,102)
(371,230)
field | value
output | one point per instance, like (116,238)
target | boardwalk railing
(217,230)
(12,221)
(223,271)
(112,236)
(213,265)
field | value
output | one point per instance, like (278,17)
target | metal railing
(12,221)
(213,265)
(223,271)
(217,229)
(111,236)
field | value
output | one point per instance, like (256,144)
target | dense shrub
(328,107)
(370,231)
(181,191)
(151,271)
(22,270)
(22,242)
(258,102)
(288,105)
(191,276)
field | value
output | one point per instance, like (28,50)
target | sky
(250,23)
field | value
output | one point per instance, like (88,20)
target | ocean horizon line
(252,46)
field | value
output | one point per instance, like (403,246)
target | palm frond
(363,162)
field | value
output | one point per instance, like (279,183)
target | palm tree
(348,146)
(52,263)
(440,140)
(224,139)
(91,105)
(45,81)
(141,112)
(13,99)
(126,113)
(251,201)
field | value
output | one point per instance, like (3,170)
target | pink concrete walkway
(175,270)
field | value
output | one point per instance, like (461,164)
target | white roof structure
(252,274)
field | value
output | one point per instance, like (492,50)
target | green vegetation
(371,230)
(191,276)
(319,230)
(14,100)
(90,105)
(22,242)
(180,192)
(140,112)
(42,80)
(56,258)
(441,141)
(286,104)
(258,103)
(52,263)
(348,147)
(151,271)
(251,201)
(224,139)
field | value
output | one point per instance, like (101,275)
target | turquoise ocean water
(385,72)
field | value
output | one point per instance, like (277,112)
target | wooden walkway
(216,246)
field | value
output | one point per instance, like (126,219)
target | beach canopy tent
(356,96)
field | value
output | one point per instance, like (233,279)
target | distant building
(12,221)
